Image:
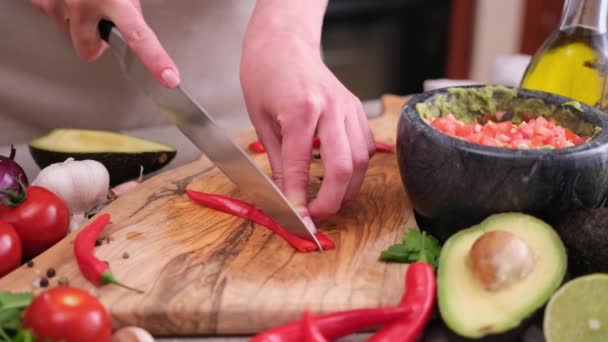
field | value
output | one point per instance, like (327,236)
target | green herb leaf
(415,246)
(12,306)
(24,336)
(10,300)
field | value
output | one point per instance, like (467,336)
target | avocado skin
(122,167)
(585,235)
(514,335)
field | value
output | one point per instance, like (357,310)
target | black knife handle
(105,27)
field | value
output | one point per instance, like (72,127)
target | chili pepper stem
(108,278)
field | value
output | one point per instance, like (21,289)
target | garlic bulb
(82,185)
(132,334)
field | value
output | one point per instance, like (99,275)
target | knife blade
(211,139)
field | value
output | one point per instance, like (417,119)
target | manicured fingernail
(170,78)
(309,224)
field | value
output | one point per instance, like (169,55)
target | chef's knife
(202,130)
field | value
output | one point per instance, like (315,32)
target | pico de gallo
(534,133)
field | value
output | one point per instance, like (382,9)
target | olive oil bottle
(573,60)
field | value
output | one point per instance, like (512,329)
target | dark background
(386,46)
(392,46)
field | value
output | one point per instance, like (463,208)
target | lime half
(579,311)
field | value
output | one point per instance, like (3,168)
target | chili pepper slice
(420,296)
(336,325)
(248,211)
(310,331)
(257,146)
(382,147)
(93,269)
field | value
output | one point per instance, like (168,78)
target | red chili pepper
(248,211)
(382,147)
(95,270)
(310,331)
(420,297)
(336,325)
(316,142)
(257,146)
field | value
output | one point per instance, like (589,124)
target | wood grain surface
(206,272)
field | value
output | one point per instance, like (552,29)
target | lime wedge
(579,311)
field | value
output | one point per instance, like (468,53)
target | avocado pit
(498,259)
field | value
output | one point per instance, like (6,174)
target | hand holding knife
(202,130)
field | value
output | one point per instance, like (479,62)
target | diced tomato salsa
(534,133)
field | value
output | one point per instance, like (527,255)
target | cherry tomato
(68,314)
(41,220)
(10,249)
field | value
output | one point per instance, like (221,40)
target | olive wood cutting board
(207,272)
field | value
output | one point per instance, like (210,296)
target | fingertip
(170,78)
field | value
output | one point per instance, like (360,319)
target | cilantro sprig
(415,246)
(12,306)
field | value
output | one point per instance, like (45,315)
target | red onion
(11,172)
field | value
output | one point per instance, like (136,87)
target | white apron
(44,85)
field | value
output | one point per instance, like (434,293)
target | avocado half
(472,310)
(123,155)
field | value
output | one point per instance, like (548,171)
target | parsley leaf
(415,246)
(12,306)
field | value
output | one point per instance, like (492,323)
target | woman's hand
(292,97)
(78,20)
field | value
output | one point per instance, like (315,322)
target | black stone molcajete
(454,184)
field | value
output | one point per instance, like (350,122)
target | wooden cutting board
(206,272)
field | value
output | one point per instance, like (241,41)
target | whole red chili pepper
(420,297)
(257,146)
(248,211)
(93,269)
(310,331)
(336,325)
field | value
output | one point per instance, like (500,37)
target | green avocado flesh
(87,141)
(469,104)
(471,310)
(123,155)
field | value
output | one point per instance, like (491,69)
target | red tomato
(41,220)
(68,314)
(538,132)
(10,249)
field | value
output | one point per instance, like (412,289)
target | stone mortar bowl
(454,184)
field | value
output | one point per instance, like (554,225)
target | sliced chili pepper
(310,331)
(93,269)
(420,297)
(336,325)
(248,211)
(316,142)
(257,146)
(382,147)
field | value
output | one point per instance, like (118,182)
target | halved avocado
(495,275)
(121,154)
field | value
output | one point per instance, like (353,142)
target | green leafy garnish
(12,306)
(415,246)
